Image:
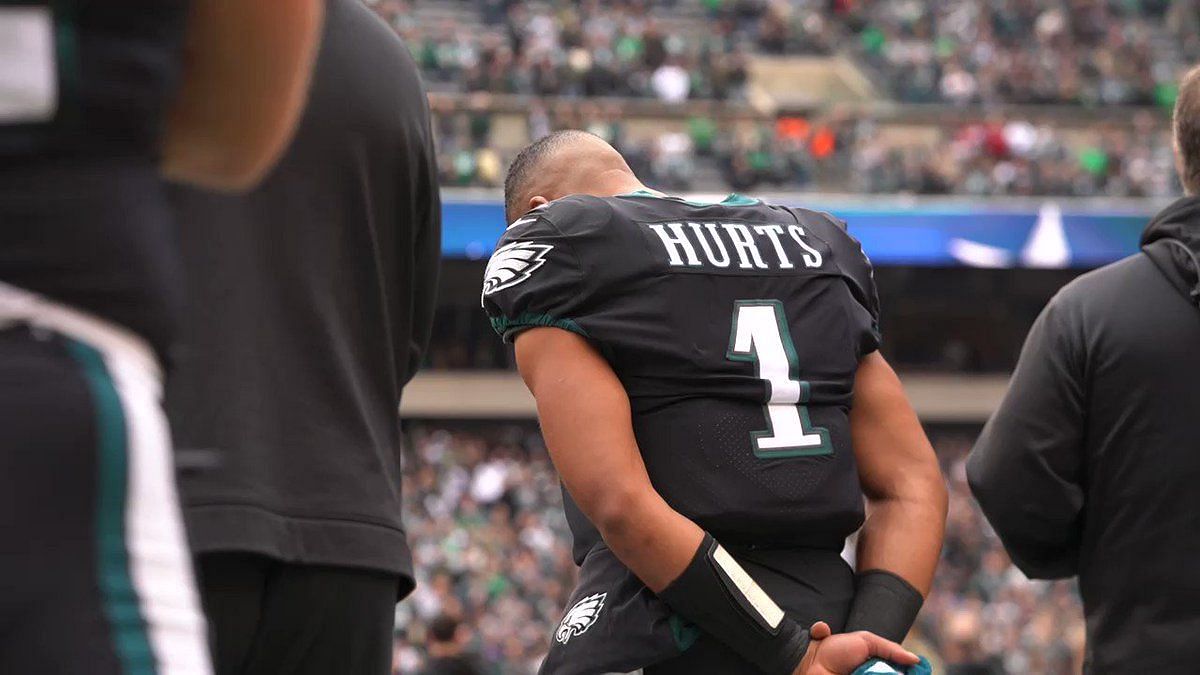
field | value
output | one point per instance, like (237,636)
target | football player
(99,98)
(709,385)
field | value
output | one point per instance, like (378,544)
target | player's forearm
(898,551)
(246,72)
(904,535)
(654,541)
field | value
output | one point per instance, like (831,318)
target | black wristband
(716,594)
(884,604)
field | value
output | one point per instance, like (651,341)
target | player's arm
(899,545)
(246,72)
(586,421)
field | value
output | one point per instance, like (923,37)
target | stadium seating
(823,96)
(490,543)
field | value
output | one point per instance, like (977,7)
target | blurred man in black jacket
(311,303)
(446,640)
(1091,465)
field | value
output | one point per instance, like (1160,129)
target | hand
(840,654)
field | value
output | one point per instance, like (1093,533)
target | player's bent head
(1187,131)
(563,163)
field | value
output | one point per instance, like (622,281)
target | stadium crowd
(491,548)
(580,61)
(1078,52)
(1082,52)
(840,152)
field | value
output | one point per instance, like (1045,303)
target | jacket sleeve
(1026,468)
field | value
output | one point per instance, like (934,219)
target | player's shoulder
(820,222)
(829,228)
(570,215)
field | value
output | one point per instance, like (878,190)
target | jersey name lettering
(743,246)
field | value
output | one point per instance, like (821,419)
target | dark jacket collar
(1172,240)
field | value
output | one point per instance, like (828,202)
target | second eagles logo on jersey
(580,617)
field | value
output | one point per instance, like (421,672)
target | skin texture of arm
(586,421)
(906,495)
(585,417)
(246,72)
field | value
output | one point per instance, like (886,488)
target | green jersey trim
(509,327)
(685,632)
(733,199)
(122,606)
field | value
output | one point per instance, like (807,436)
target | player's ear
(537,201)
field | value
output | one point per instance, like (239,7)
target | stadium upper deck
(898,96)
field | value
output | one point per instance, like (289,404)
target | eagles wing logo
(513,263)
(580,617)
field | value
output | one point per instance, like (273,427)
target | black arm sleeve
(1025,469)
(718,595)
(884,604)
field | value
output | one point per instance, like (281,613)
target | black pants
(630,627)
(272,618)
(95,577)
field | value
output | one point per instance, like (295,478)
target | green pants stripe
(121,603)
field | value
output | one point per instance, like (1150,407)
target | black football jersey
(736,329)
(83,212)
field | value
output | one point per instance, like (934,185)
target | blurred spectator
(448,653)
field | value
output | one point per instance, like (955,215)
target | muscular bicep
(247,66)
(889,444)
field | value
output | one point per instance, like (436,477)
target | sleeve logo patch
(513,263)
(580,617)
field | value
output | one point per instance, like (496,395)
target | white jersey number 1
(760,335)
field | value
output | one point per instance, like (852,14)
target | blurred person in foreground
(1091,465)
(709,373)
(311,300)
(446,640)
(97,575)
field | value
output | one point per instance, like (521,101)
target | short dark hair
(526,163)
(1187,131)
(443,628)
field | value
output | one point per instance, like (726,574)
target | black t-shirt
(82,212)
(736,329)
(310,301)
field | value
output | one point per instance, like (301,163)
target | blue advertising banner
(936,234)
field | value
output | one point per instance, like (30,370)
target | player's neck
(619,182)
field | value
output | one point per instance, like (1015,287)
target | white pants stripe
(159,563)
